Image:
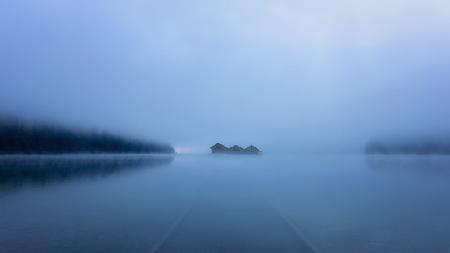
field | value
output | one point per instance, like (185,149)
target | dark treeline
(422,146)
(22,138)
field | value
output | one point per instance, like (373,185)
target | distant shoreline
(410,147)
(23,138)
(89,155)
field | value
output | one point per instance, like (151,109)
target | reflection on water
(424,165)
(16,171)
(236,204)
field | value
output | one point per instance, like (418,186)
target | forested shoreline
(24,138)
(420,146)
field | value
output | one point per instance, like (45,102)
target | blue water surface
(225,203)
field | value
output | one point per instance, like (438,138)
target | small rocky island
(219,148)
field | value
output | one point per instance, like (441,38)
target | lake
(224,203)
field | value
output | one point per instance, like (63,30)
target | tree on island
(219,148)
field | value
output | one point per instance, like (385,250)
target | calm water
(233,204)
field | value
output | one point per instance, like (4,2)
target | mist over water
(285,76)
(313,84)
(207,203)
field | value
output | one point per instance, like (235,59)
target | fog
(282,75)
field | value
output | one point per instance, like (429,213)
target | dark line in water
(291,226)
(171,229)
(294,229)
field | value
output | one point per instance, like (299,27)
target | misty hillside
(421,146)
(21,138)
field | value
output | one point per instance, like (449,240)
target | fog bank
(282,75)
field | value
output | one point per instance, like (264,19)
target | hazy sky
(299,75)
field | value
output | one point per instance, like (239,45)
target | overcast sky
(282,75)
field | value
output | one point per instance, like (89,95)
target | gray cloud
(300,75)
